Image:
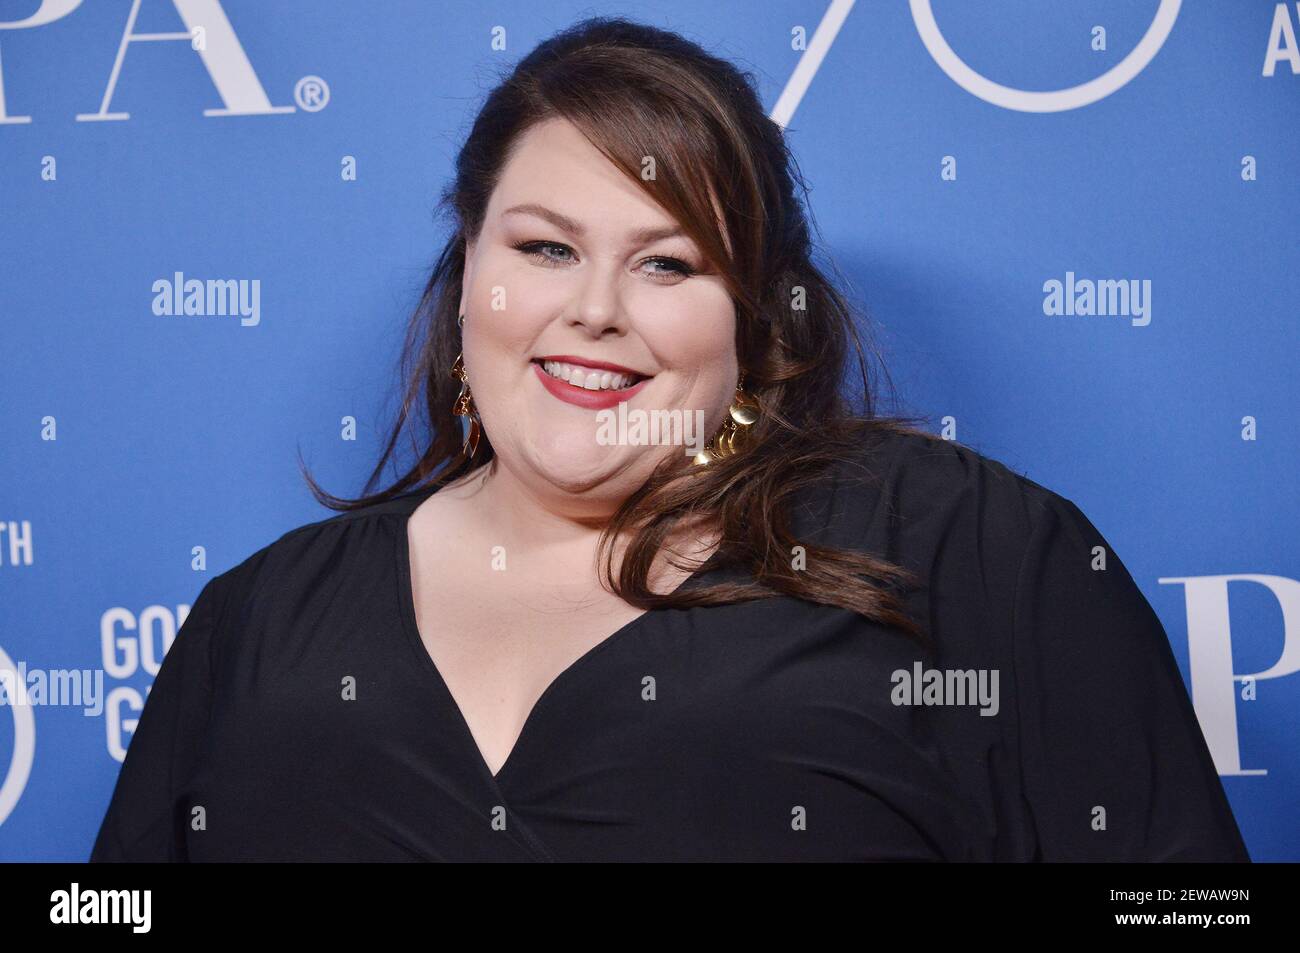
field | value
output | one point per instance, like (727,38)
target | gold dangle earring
(464,405)
(731,439)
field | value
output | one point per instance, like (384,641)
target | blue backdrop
(1074,224)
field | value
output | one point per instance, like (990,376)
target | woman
(824,635)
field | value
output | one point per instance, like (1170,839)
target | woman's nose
(597,304)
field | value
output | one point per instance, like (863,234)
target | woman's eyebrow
(641,236)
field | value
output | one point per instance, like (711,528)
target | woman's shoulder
(972,525)
(922,482)
(346,541)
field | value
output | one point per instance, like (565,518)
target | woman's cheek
(701,340)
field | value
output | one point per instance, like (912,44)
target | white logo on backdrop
(1209,643)
(20,763)
(1008,97)
(219,50)
(1057,100)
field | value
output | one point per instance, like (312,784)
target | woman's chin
(578,465)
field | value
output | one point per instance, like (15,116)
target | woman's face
(567,265)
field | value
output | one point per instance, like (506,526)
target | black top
(767,730)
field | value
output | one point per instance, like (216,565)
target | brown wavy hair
(637,91)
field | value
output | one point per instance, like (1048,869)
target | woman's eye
(535,251)
(674,266)
(549,254)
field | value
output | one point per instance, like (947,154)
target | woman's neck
(558,526)
(522,518)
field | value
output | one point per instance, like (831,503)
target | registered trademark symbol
(311,93)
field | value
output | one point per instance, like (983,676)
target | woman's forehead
(556,173)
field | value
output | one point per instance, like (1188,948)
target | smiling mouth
(590,378)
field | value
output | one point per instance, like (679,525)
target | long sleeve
(144,822)
(1114,764)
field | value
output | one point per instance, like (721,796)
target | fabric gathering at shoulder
(944,473)
(959,518)
(1114,764)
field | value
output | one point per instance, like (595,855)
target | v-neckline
(406,591)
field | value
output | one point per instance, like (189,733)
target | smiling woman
(625,292)
(541,644)
(591,239)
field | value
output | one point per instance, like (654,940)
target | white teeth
(587,378)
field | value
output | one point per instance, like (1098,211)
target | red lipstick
(588,362)
(581,396)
